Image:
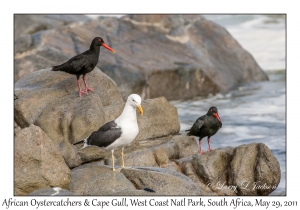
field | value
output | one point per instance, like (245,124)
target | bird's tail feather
(79,142)
(189,134)
(58,67)
(55,68)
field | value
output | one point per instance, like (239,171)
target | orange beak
(107,47)
(217,116)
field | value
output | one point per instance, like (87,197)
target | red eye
(210,110)
(99,40)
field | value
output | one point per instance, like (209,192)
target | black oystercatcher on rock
(83,63)
(120,132)
(206,125)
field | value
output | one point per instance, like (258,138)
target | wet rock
(37,162)
(175,56)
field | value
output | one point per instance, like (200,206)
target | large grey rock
(175,56)
(37,162)
(213,168)
(249,169)
(254,169)
(50,100)
(160,116)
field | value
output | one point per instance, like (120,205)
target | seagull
(117,133)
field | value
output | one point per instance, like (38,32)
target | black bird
(84,63)
(117,133)
(206,125)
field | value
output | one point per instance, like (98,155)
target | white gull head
(135,101)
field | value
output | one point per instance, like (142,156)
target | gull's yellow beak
(140,109)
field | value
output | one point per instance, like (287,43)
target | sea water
(253,112)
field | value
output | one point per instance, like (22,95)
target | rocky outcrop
(159,164)
(166,163)
(97,179)
(37,162)
(175,56)
(159,152)
(50,100)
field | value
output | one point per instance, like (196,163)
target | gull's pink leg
(86,86)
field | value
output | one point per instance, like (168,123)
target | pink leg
(200,144)
(208,141)
(86,86)
(79,89)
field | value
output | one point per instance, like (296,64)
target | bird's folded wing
(109,125)
(198,124)
(77,63)
(105,135)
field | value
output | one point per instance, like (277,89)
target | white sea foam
(254,113)
(262,35)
